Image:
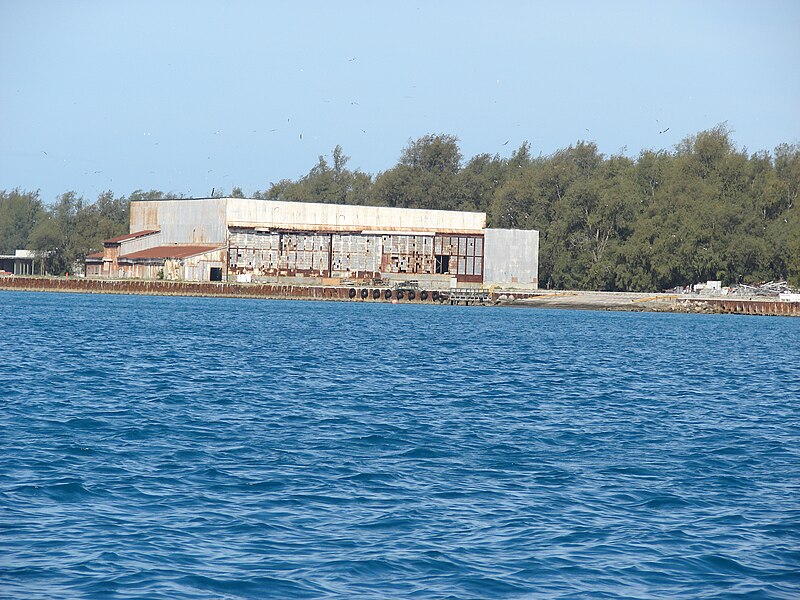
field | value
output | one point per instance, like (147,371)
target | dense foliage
(705,210)
(63,233)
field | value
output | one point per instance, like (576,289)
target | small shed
(175,262)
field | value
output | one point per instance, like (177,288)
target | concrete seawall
(210,289)
(176,288)
(619,301)
(649,302)
(750,307)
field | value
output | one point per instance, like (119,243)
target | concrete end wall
(185,221)
(511,257)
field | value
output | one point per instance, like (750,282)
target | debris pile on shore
(695,307)
(770,289)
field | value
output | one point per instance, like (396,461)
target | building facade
(245,239)
(22,262)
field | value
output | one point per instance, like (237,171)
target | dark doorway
(442,264)
(216,274)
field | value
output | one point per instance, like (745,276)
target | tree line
(704,210)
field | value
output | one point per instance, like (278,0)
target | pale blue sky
(186,96)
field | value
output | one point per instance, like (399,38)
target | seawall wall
(573,300)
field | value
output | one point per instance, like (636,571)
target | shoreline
(575,300)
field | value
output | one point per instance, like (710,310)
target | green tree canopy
(20,213)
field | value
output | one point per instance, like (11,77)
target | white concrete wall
(336,217)
(185,221)
(141,243)
(511,257)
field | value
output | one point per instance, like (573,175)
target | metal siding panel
(509,255)
(194,220)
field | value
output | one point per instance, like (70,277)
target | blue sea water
(223,448)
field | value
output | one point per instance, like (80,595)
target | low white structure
(246,239)
(22,262)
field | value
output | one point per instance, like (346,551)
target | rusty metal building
(245,239)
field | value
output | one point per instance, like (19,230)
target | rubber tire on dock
(376,294)
(364,293)
(352,292)
(435,296)
(399,294)
(387,294)
(412,294)
(423,295)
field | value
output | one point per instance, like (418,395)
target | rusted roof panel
(95,255)
(170,251)
(130,236)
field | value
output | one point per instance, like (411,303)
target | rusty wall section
(462,256)
(356,255)
(411,254)
(192,288)
(353,255)
(750,307)
(285,254)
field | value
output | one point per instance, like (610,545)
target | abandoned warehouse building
(254,240)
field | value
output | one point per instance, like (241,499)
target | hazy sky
(186,96)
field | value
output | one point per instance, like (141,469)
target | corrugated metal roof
(130,236)
(95,255)
(169,251)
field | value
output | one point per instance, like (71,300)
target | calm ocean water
(195,448)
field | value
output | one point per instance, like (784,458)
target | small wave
(86,423)
(375,441)
(492,587)
(79,450)
(424,452)
(390,524)
(259,586)
(266,486)
(369,477)
(367,568)
(665,501)
(68,491)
